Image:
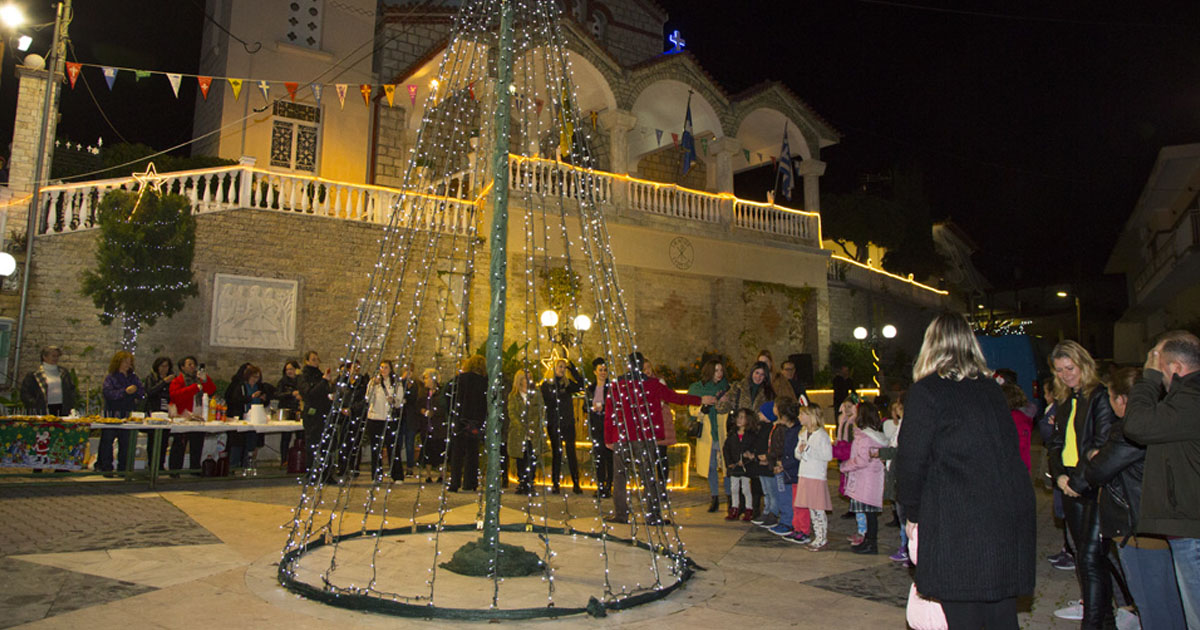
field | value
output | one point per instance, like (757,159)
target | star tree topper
(148,178)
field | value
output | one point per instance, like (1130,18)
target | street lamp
(549,318)
(872,336)
(12,16)
(1078,317)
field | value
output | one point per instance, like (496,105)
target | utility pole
(62,17)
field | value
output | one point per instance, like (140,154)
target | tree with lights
(143,260)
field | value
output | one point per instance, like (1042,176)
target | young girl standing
(813,452)
(864,475)
(739,457)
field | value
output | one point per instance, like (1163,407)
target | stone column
(811,170)
(618,123)
(724,149)
(31,93)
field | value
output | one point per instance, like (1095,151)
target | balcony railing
(67,208)
(1169,246)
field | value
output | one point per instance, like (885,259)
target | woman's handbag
(922,614)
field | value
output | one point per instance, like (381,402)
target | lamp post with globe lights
(872,339)
(560,334)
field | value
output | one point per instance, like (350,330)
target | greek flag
(784,175)
(688,142)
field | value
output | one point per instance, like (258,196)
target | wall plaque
(252,312)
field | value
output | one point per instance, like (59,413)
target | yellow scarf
(1070,453)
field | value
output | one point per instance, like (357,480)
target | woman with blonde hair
(1082,422)
(960,478)
(526,417)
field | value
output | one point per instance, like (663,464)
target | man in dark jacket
(1169,426)
(466,405)
(315,391)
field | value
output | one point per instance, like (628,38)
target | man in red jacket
(632,424)
(186,391)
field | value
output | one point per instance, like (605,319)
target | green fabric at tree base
(475,559)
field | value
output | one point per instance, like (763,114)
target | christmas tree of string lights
(500,142)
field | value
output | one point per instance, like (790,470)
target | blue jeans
(903,532)
(783,500)
(1150,575)
(1186,554)
(713,473)
(767,483)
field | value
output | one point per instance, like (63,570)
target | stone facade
(666,165)
(31,95)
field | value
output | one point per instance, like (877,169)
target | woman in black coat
(961,479)
(558,390)
(1082,411)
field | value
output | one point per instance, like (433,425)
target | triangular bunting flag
(704,145)
(389,90)
(365,89)
(316,90)
(746,152)
(538,104)
(471,90)
(594,115)
(138,75)
(759,157)
(174,79)
(265,88)
(205,83)
(236,84)
(412,94)
(675,138)
(658,136)
(73,70)
(341,92)
(291,86)
(566,132)
(110,75)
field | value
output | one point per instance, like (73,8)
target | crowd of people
(951,456)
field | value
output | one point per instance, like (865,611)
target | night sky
(1035,124)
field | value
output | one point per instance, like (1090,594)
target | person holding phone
(186,391)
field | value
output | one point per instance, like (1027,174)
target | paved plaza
(201,554)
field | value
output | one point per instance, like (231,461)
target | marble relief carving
(252,312)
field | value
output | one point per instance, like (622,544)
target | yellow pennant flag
(236,84)
(389,90)
(567,126)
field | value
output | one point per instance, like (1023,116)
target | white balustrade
(554,179)
(673,201)
(73,207)
(776,220)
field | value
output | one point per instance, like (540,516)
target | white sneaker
(1074,612)
(1126,620)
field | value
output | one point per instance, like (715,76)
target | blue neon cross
(677,39)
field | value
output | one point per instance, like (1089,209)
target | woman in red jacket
(186,391)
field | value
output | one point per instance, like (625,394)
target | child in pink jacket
(864,476)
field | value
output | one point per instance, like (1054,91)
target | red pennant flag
(291,86)
(205,83)
(366,93)
(538,105)
(471,90)
(73,70)
(412,93)
(675,138)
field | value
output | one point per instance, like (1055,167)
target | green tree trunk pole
(498,270)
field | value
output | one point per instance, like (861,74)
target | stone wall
(665,165)
(676,315)
(392,147)
(851,306)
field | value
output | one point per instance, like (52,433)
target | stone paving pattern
(241,522)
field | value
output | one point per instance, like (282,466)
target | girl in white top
(814,451)
(385,397)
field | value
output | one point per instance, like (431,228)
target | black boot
(715,505)
(869,544)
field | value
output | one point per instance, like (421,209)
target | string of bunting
(205,84)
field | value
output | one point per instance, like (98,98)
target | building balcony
(1172,262)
